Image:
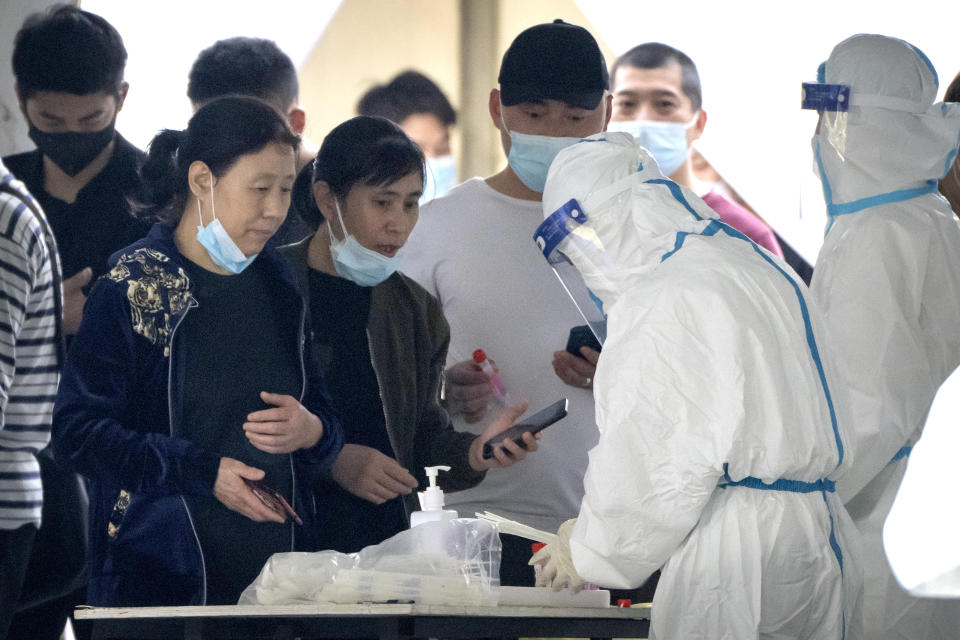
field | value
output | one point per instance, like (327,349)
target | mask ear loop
(343,225)
(213,206)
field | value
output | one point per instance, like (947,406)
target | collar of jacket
(160,238)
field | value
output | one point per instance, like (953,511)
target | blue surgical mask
(219,245)
(355,262)
(666,141)
(530,156)
(441,177)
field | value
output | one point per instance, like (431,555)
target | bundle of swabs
(517,529)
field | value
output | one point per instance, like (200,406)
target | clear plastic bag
(444,562)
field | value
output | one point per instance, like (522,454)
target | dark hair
(952,94)
(244,66)
(408,93)
(68,50)
(656,55)
(218,134)
(367,150)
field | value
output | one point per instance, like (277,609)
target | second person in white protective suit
(721,427)
(888,281)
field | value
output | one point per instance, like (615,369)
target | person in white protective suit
(888,282)
(721,428)
(921,531)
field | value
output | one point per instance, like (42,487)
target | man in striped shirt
(29,373)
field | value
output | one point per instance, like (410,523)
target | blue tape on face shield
(825,97)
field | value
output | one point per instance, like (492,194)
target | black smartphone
(533,424)
(582,336)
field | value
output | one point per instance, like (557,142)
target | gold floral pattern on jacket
(119,512)
(151,316)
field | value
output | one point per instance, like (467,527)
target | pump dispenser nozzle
(432,498)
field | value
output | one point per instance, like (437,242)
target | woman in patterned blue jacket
(188,399)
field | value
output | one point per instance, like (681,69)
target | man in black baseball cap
(473,250)
(553,89)
(555,61)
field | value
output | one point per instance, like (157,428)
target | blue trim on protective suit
(930,186)
(926,61)
(846,208)
(782,484)
(677,193)
(824,485)
(709,230)
(712,228)
(903,452)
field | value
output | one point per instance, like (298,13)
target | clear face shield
(572,248)
(825,109)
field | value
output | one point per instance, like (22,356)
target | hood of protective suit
(894,142)
(633,213)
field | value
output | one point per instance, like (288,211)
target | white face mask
(355,262)
(219,245)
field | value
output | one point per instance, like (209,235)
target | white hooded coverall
(888,282)
(713,374)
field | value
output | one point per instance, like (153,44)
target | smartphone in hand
(534,424)
(273,499)
(582,336)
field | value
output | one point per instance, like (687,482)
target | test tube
(481,359)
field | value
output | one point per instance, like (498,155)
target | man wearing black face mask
(68,66)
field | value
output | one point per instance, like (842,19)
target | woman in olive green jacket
(381,338)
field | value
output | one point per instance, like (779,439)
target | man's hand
(283,429)
(232,491)
(575,371)
(371,475)
(467,390)
(507,452)
(73,300)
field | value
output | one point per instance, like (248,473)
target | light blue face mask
(355,262)
(530,156)
(666,141)
(219,245)
(441,176)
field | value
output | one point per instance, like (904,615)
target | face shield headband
(833,102)
(562,235)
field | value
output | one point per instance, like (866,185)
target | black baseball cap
(554,61)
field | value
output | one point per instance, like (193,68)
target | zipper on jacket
(193,528)
(383,405)
(303,394)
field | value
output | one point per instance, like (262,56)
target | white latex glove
(558,571)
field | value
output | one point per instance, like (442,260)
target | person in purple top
(657,98)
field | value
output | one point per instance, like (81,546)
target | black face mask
(72,151)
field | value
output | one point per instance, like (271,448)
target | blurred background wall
(752,56)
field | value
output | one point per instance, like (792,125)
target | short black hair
(67,50)
(366,150)
(656,55)
(952,93)
(408,93)
(218,134)
(244,66)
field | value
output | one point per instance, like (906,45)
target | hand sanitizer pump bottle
(431,501)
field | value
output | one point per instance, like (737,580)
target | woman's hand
(371,475)
(284,429)
(233,492)
(467,390)
(507,452)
